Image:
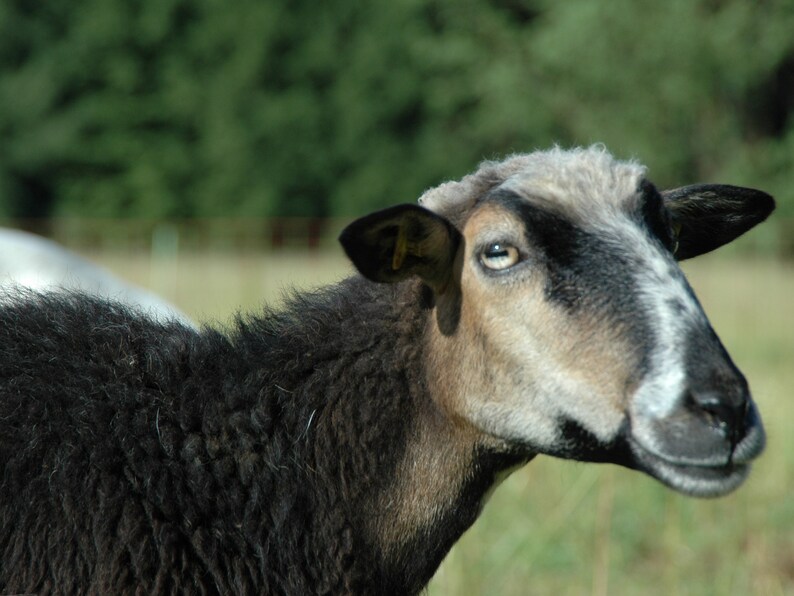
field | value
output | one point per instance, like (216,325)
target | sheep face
(561,322)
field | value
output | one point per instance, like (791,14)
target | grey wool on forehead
(581,175)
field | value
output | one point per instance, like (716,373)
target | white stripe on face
(673,312)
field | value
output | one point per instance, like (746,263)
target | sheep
(30,261)
(343,443)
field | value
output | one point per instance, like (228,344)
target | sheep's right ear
(393,244)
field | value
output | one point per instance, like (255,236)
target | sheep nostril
(721,414)
(717,413)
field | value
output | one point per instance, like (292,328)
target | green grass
(558,527)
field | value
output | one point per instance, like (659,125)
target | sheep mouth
(712,478)
(694,457)
(706,480)
(709,467)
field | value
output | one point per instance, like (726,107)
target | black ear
(706,216)
(405,240)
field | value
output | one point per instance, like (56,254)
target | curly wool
(146,456)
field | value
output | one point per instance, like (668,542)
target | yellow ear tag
(400,249)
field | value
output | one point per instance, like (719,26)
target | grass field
(559,527)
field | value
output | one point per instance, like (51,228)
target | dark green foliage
(165,108)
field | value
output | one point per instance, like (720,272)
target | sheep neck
(413,477)
(440,487)
(363,472)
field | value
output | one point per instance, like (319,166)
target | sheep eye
(499,256)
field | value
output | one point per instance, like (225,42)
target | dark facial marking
(585,273)
(576,442)
(583,270)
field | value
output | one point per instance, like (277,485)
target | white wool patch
(567,180)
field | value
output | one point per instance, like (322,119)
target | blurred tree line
(172,108)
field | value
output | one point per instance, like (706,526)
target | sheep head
(562,322)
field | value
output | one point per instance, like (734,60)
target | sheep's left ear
(706,216)
(393,244)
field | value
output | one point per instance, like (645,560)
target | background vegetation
(187,108)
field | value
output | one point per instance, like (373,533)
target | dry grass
(566,528)
(212,286)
